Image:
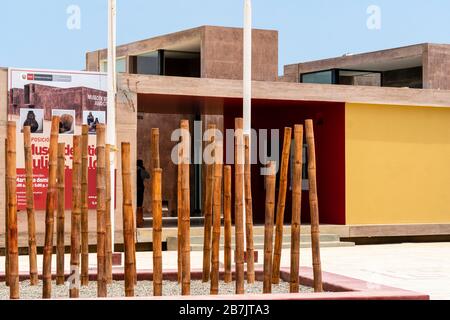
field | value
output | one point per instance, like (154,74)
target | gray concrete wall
(408,78)
(222,54)
(436,67)
(221,51)
(126,124)
(415,52)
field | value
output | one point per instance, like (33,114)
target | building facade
(382,123)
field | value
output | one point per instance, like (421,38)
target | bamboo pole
(6,216)
(60,216)
(239,204)
(296,208)
(228,226)
(314,206)
(108,239)
(281,205)
(30,207)
(76,216)
(249,212)
(179,224)
(186,208)
(84,207)
(134,251)
(208,205)
(14,289)
(217,215)
(157,231)
(268,230)
(101,212)
(128,217)
(50,209)
(155,149)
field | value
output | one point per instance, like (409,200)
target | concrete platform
(420,267)
(360,234)
(326,241)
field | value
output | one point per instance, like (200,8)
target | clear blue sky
(34,33)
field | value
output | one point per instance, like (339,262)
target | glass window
(323,77)
(147,63)
(182,64)
(360,78)
(121,65)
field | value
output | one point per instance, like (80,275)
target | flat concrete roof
(380,60)
(185,40)
(202,87)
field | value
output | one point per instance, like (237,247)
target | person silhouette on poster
(90,119)
(92,123)
(31,122)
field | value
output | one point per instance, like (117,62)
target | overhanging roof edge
(164,85)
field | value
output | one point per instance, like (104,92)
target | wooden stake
(249,213)
(228,225)
(268,230)
(157,231)
(128,218)
(84,207)
(239,204)
(217,216)
(14,289)
(60,216)
(208,208)
(314,206)
(186,208)
(296,208)
(30,207)
(281,205)
(108,239)
(76,216)
(134,252)
(179,224)
(6,216)
(101,212)
(50,209)
(155,149)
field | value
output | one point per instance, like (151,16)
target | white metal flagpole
(247,81)
(247,67)
(111,108)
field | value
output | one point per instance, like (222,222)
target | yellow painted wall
(397,164)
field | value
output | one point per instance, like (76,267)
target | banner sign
(37,95)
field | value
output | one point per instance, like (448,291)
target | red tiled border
(338,287)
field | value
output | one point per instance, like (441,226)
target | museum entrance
(165,113)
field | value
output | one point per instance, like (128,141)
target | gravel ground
(143,289)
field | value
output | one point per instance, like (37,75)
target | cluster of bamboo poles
(218,200)
(79,233)
(243,197)
(129,225)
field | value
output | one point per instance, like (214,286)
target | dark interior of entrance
(165,112)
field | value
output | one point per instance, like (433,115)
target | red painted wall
(329,119)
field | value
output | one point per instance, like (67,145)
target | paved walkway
(423,268)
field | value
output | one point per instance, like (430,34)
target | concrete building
(419,66)
(383,134)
